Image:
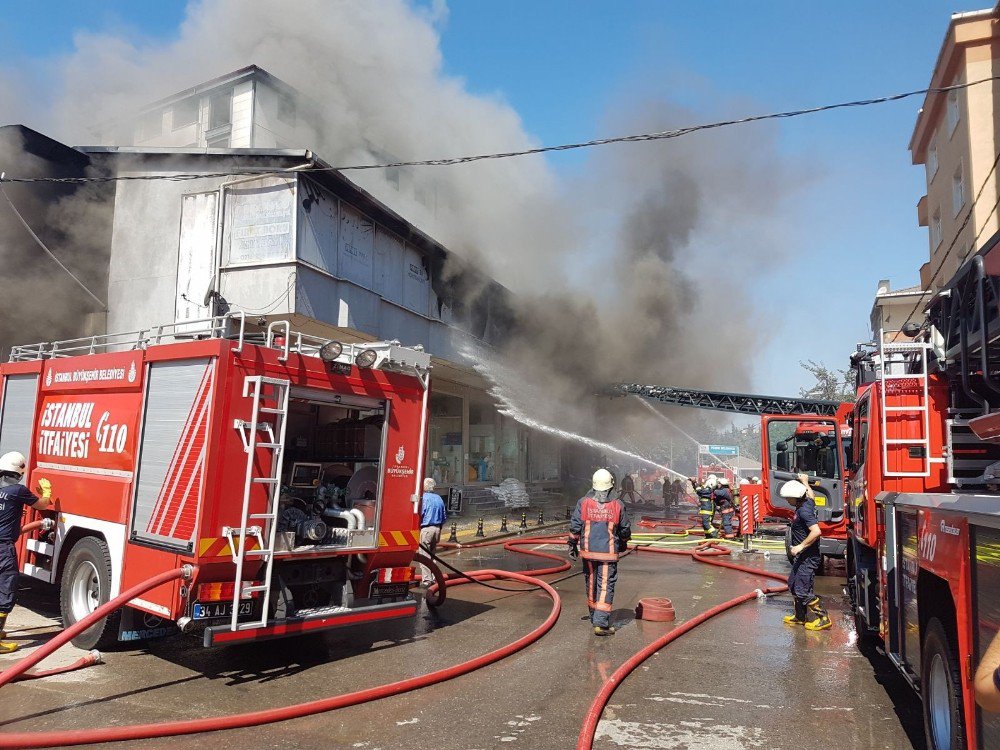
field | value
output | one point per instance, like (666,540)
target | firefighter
(13,497)
(806,557)
(706,503)
(723,498)
(598,532)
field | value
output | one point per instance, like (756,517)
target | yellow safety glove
(45,488)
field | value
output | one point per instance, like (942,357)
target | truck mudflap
(312,620)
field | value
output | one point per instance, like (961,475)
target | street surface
(743,680)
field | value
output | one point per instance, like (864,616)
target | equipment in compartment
(330,496)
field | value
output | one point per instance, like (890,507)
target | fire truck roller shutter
(20,393)
(171,464)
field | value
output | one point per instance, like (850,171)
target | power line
(958,233)
(41,244)
(451,161)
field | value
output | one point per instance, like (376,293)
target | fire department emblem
(400,455)
(131,372)
(48,378)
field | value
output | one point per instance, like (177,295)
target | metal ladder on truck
(901,362)
(270,401)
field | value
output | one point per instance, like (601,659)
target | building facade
(894,308)
(310,246)
(956,138)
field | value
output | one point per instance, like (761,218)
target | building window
(513,450)
(220,110)
(150,125)
(543,458)
(185,113)
(932,162)
(447,459)
(482,441)
(936,230)
(953,113)
(958,190)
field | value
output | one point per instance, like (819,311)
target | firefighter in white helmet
(806,557)
(13,497)
(706,502)
(599,531)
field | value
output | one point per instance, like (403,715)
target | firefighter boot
(6,647)
(598,630)
(819,619)
(799,618)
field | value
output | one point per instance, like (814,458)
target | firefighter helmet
(793,490)
(712,482)
(723,482)
(603,480)
(13,463)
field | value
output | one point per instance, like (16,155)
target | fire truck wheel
(941,690)
(85,585)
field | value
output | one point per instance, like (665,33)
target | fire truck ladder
(902,365)
(739,403)
(270,400)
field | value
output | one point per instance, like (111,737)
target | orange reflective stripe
(602,607)
(603,598)
(600,556)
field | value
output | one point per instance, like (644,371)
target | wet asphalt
(743,680)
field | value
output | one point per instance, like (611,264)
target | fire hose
(585,740)
(255,718)
(266,716)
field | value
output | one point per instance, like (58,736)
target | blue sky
(564,64)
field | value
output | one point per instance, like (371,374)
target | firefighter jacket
(724,500)
(601,528)
(706,506)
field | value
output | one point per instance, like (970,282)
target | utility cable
(635,138)
(41,244)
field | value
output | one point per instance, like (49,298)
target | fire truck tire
(941,690)
(84,586)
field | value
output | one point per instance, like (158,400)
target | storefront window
(446,460)
(513,450)
(482,463)
(543,458)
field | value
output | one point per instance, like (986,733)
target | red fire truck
(924,510)
(798,435)
(287,468)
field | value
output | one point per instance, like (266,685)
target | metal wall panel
(196,256)
(357,246)
(20,394)
(172,459)
(388,265)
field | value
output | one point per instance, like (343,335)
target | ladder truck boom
(737,403)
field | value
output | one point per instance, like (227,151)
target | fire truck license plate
(382,590)
(212,610)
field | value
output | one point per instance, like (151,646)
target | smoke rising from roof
(637,271)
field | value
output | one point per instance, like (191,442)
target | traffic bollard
(541,517)
(524,521)
(479,528)
(454,533)
(568,513)
(503,524)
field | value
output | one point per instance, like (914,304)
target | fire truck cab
(286,468)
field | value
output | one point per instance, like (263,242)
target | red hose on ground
(87,660)
(585,740)
(267,716)
(11,673)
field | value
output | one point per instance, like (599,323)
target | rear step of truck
(311,620)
